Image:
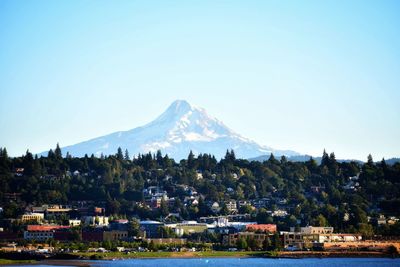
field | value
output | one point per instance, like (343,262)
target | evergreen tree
(159,158)
(164,211)
(28,164)
(267,244)
(191,160)
(273,160)
(203,208)
(325,159)
(126,156)
(276,242)
(4,154)
(383,164)
(134,228)
(283,160)
(224,210)
(233,156)
(262,216)
(120,155)
(57,152)
(370,161)
(230,156)
(312,165)
(51,154)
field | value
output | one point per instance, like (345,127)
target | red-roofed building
(41,232)
(267,228)
(45,227)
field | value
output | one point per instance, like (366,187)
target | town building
(55,211)
(168,241)
(95,220)
(231,206)
(188,227)
(314,230)
(32,217)
(231,240)
(311,236)
(266,228)
(150,229)
(120,225)
(114,235)
(41,232)
(74,222)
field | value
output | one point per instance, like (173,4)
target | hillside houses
(150,197)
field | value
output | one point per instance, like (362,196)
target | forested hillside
(347,196)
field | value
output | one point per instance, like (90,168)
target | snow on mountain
(181,128)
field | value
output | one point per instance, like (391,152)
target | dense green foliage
(117,182)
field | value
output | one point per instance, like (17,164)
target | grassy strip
(163,254)
(237,254)
(10,262)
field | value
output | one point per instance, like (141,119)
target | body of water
(247,262)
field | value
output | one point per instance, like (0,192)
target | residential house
(74,222)
(231,206)
(279,213)
(215,207)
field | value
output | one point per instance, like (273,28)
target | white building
(75,222)
(314,230)
(95,220)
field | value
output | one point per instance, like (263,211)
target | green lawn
(8,262)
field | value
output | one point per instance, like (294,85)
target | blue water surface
(252,262)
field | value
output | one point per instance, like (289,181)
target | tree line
(312,194)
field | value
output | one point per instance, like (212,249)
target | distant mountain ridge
(303,158)
(177,131)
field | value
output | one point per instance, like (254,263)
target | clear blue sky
(301,75)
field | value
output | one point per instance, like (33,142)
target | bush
(96,257)
(393,250)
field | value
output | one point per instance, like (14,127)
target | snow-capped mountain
(181,128)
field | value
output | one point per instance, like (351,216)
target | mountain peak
(179,106)
(180,103)
(174,112)
(179,129)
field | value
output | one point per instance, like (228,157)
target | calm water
(252,262)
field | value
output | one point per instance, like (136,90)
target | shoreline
(241,254)
(85,260)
